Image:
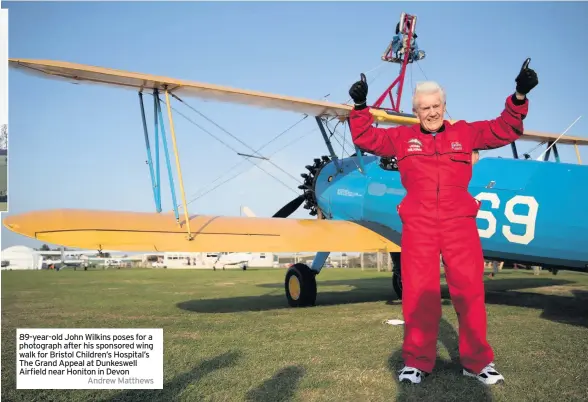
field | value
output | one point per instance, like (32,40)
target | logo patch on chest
(414,145)
(456,146)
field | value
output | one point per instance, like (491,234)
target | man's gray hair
(427,87)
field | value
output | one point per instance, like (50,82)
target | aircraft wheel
(397,285)
(396,275)
(300,285)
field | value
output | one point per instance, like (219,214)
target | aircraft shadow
(362,291)
(281,387)
(446,378)
(174,387)
(561,309)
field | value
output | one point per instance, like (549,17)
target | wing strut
(157,168)
(155,176)
(515,153)
(149,160)
(328,142)
(551,144)
(177,155)
(578,153)
(167,161)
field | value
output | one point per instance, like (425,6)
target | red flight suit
(439,216)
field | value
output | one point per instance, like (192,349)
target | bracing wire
(561,135)
(255,152)
(243,161)
(240,141)
(244,171)
(234,150)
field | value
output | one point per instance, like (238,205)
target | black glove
(527,79)
(358,93)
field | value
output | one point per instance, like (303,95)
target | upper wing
(143,231)
(546,137)
(139,81)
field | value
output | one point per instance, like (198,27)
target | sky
(82,146)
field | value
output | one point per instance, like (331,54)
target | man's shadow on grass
(281,387)
(174,387)
(447,381)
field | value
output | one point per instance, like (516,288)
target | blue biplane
(535,216)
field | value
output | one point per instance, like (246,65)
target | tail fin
(248,212)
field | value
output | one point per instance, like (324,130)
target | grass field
(228,335)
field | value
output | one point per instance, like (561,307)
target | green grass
(3,206)
(228,335)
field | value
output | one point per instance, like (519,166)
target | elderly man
(439,216)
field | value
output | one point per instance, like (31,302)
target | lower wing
(139,231)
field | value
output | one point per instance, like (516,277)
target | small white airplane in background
(230,259)
(77,258)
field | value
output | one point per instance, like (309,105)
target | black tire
(300,286)
(397,275)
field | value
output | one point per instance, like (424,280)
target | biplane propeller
(354,199)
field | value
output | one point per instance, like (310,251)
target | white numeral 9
(527,220)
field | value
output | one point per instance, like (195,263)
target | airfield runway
(229,336)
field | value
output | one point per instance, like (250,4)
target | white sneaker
(411,374)
(488,375)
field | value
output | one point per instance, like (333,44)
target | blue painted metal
(319,261)
(148,147)
(508,190)
(157,170)
(360,159)
(169,169)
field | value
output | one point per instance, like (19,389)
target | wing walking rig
(344,216)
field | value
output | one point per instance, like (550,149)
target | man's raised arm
(508,127)
(379,141)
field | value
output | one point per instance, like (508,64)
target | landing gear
(300,285)
(396,274)
(554,271)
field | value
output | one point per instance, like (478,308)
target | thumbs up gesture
(527,79)
(359,91)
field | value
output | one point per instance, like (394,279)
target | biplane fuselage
(532,212)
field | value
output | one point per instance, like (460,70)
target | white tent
(20,257)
